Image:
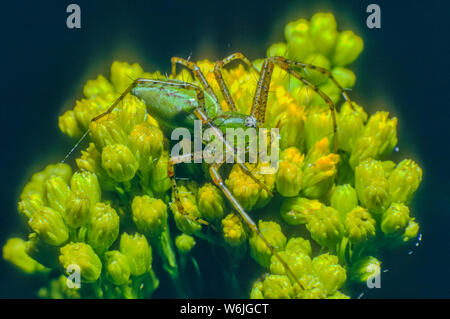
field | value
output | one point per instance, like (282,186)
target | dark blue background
(404,69)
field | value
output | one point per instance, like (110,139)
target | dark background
(404,68)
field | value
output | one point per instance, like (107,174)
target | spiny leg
(218,181)
(196,71)
(262,90)
(219,77)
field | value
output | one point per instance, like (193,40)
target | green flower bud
(371,186)
(131,113)
(411,230)
(103,227)
(77,209)
(186,221)
(330,273)
(159,180)
(68,124)
(257,290)
(14,251)
(83,256)
(119,162)
(299,245)
(233,230)
(61,169)
(86,183)
(123,74)
(318,178)
(289,175)
(138,252)
(315,76)
(395,219)
(277,287)
(277,49)
(117,267)
(99,86)
(299,263)
(30,204)
(210,202)
(149,215)
(348,48)
(57,193)
(318,125)
(296,211)
(346,78)
(299,42)
(107,131)
(313,288)
(319,149)
(322,30)
(325,227)
(365,268)
(351,125)
(49,225)
(404,181)
(146,143)
(184,243)
(344,199)
(360,225)
(383,130)
(258,248)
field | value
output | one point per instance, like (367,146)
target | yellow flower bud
(14,251)
(123,74)
(325,227)
(350,125)
(211,202)
(297,210)
(371,186)
(360,225)
(49,225)
(277,287)
(86,183)
(149,215)
(344,199)
(289,175)
(83,256)
(330,273)
(107,131)
(160,181)
(277,49)
(318,178)
(299,263)
(30,204)
(348,48)
(184,243)
(119,162)
(404,181)
(61,169)
(411,230)
(318,125)
(57,193)
(299,245)
(299,42)
(290,122)
(258,248)
(68,124)
(103,227)
(117,267)
(257,290)
(77,209)
(86,109)
(99,86)
(323,33)
(395,219)
(138,252)
(132,112)
(233,230)
(186,222)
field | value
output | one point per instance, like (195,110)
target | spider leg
(219,78)
(196,71)
(218,181)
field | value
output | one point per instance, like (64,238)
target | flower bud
(297,210)
(68,124)
(314,76)
(30,204)
(77,210)
(325,227)
(99,86)
(49,225)
(344,199)
(107,131)
(383,130)
(14,251)
(360,225)
(371,186)
(318,178)
(299,263)
(257,290)
(365,268)
(149,215)
(411,230)
(119,162)
(318,125)
(299,245)
(186,221)
(117,267)
(348,47)
(184,243)
(86,183)
(159,180)
(233,230)
(351,125)
(210,202)
(57,193)
(395,219)
(277,287)
(323,33)
(299,42)
(123,74)
(404,181)
(289,175)
(103,227)
(87,109)
(138,252)
(146,143)
(271,231)
(83,256)
(277,49)
(131,113)
(330,273)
